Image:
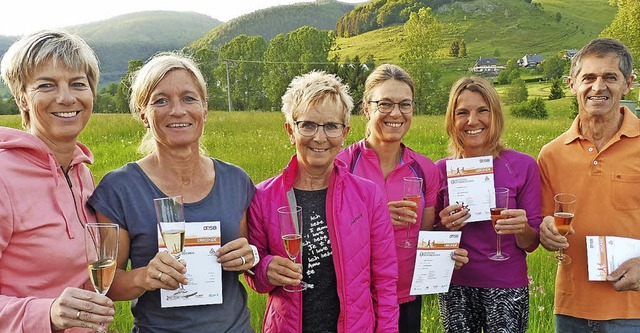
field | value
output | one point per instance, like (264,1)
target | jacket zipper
(73,196)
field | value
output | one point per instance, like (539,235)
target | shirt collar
(629,128)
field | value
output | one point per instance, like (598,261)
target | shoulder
(228,168)
(350,151)
(513,155)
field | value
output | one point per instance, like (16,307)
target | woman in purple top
(485,294)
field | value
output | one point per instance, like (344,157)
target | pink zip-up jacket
(364,253)
(42,213)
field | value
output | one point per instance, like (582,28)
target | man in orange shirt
(597,160)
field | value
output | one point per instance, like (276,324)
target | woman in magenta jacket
(348,250)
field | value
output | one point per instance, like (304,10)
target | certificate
(434,266)
(606,253)
(469,181)
(202,240)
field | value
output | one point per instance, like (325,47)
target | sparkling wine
(495,215)
(101,273)
(562,221)
(174,241)
(415,199)
(292,244)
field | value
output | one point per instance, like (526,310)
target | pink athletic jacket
(42,212)
(363,253)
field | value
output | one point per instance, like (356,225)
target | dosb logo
(210,227)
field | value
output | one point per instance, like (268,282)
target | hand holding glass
(500,202)
(564,205)
(170,216)
(290,220)
(412,192)
(101,244)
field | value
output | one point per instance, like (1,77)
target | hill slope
(136,36)
(269,22)
(506,29)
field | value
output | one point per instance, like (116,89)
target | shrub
(533,109)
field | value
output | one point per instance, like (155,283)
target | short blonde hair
(59,47)
(145,80)
(312,88)
(482,86)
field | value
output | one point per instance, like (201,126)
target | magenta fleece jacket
(363,253)
(42,213)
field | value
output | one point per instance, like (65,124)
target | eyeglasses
(309,128)
(386,106)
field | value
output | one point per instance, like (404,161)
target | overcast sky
(23,16)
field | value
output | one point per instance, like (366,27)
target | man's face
(599,85)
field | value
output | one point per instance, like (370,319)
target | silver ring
(78,315)
(243,261)
(160,276)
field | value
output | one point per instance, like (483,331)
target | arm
(230,255)
(258,237)
(128,285)
(384,268)
(428,217)
(550,239)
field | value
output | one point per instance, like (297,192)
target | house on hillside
(530,60)
(486,66)
(569,53)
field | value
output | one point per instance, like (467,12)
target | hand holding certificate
(434,266)
(469,180)
(606,253)
(202,240)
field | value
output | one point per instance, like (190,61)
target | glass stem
(498,245)
(408,229)
(560,255)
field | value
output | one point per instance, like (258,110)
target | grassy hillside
(269,22)
(136,36)
(506,29)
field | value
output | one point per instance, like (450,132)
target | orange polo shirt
(607,189)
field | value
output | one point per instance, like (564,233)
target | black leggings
(492,310)
(410,314)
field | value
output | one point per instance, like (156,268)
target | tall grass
(256,141)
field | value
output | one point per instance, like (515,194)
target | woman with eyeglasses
(349,262)
(383,158)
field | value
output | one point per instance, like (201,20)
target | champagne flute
(290,220)
(101,244)
(499,201)
(412,192)
(170,216)
(564,205)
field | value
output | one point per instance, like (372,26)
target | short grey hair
(312,88)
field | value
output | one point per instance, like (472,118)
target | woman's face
(392,126)
(473,120)
(176,112)
(59,101)
(317,152)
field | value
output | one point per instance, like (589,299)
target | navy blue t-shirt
(125,196)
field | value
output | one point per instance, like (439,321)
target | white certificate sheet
(606,253)
(202,240)
(469,181)
(434,266)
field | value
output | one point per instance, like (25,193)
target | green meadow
(256,141)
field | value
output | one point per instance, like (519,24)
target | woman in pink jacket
(349,257)
(45,186)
